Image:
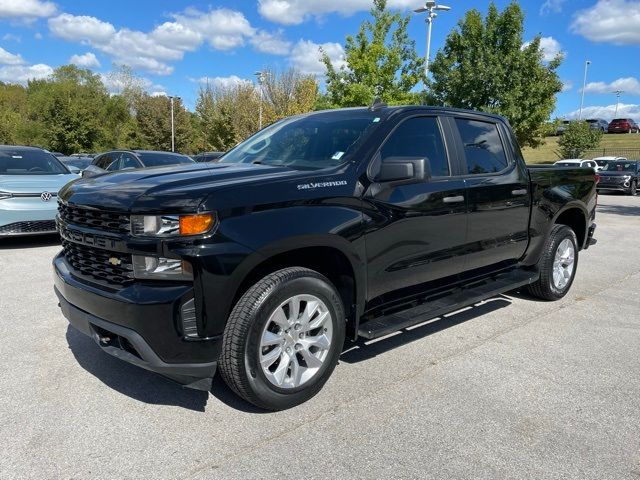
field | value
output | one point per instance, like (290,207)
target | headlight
(5,195)
(171,225)
(159,268)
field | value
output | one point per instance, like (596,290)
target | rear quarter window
(483,148)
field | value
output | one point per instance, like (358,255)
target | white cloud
(567,85)
(37,36)
(221,28)
(7,58)
(607,112)
(550,48)
(23,73)
(610,21)
(629,85)
(552,6)
(116,83)
(306,56)
(81,28)
(272,43)
(10,37)
(293,12)
(87,60)
(26,9)
(222,82)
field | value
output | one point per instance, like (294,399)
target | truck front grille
(25,228)
(111,267)
(97,219)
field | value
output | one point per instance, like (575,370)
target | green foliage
(578,137)
(484,66)
(381,61)
(153,116)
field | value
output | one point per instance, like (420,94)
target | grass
(546,153)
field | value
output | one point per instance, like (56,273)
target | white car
(578,162)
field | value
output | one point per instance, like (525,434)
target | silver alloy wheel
(563,264)
(295,341)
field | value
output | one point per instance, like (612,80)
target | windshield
(158,159)
(308,142)
(80,163)
(620,167)
(29,162)
(602,163)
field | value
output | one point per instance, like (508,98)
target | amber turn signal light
(195,224)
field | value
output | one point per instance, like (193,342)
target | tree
(215,120)
(289,93)
(381,61)
(13,113)
(485,65)
(66,110)
(153,118)
(578,137)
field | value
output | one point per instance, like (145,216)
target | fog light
(160,268)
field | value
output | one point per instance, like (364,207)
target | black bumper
(138,324)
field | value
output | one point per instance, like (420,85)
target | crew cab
(350,223)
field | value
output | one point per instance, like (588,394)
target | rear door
(417,230)
(498,192)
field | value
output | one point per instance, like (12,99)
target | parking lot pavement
(512,388)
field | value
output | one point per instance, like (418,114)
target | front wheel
(283,339)
(557,265)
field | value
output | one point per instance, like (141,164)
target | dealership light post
(430,8)
(262,77)
(584,85)
(617,93)
(173,130)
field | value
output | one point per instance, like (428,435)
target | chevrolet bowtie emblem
(115,261)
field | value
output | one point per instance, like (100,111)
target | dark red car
(623,125)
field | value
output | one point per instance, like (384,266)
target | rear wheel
(283,339)
(557,265)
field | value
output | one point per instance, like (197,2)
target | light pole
(584,85)
(262,77)
(173,131)
(430,8)
(617,93)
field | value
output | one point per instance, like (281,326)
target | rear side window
(419,137)
(483,147)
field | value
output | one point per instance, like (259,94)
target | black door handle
(456,199)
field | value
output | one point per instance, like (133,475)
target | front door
(417,230)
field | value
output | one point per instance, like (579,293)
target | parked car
(603,161)
(132,159)
(621,175)
(578,163)
(30,179)
(598,124)
(208,156)
(562,127)
(76,163)
(623,125)
(83,155)
(356,222)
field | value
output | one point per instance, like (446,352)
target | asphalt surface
(513,388)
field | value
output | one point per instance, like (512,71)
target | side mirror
(404,169)
(73,169)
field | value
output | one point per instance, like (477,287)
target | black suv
(346,223)
(620,175)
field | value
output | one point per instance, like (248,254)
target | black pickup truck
(329,225)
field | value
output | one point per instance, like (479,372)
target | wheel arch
(575,217)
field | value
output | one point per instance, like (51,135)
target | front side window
(308,142)
(29,162)
(160,159)
(483,147)
(419,137)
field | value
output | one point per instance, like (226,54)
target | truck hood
(35,183)
(175,189)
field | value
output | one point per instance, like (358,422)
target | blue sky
(174,45)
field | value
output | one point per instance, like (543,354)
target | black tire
(544,288)
(239,363)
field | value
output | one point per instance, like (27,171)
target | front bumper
(27,216)
(140,325)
